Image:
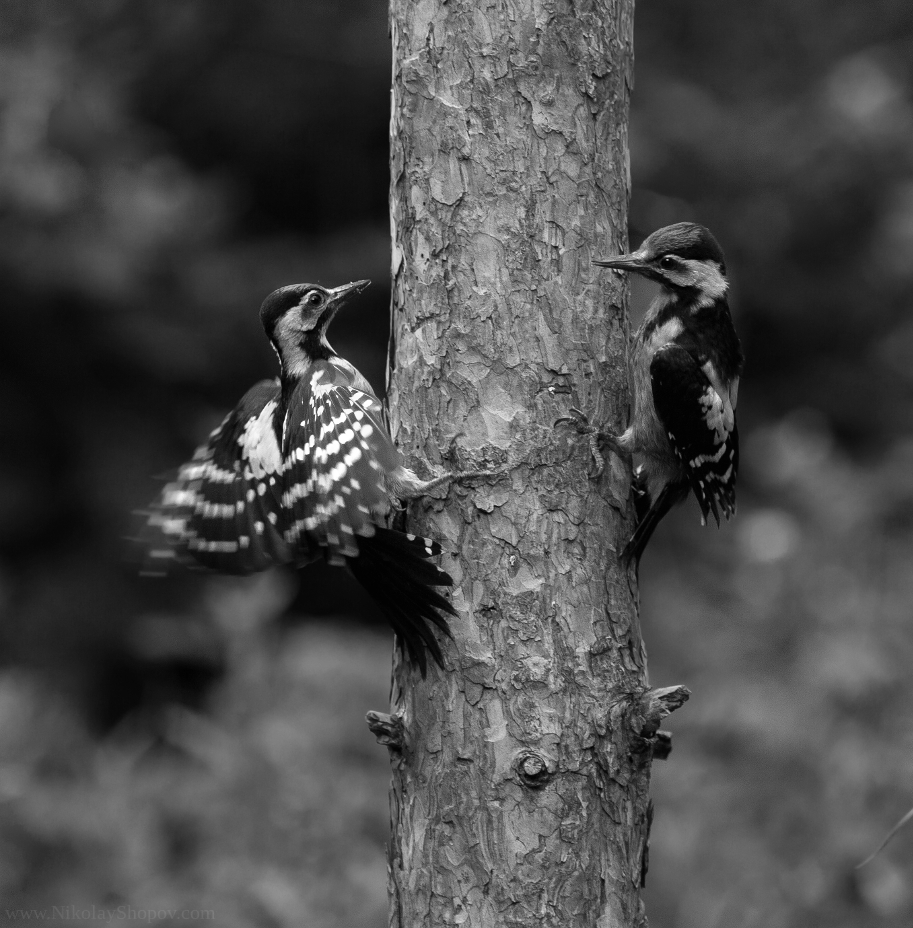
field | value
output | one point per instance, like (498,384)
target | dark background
(189,744)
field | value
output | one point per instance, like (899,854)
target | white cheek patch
(259,445)
(707,277)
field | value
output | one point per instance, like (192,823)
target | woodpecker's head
(683,257)
(296,319)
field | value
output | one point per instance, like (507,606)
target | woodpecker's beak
(635,263)
(343,293)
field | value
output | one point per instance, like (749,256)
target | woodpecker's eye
(314,298)
(667,263)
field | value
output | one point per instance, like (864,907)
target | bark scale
(520,775)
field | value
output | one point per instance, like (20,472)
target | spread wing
(701,427)
(223,511)
(338,453)
(269,489)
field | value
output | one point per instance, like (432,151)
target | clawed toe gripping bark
(404,484)
(596,438)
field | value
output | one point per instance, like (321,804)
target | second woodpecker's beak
(343,293)
(634,262)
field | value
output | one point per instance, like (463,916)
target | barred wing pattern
(223,510)
(703,435)
(337,453)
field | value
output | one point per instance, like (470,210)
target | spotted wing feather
(222,511)
(338,453)
(695,419)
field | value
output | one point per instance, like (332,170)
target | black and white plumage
(686,361)
(304,468)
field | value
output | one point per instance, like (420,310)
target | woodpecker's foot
(404,484)
(595,438)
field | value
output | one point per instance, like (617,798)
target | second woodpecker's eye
(667,263)
(314,298)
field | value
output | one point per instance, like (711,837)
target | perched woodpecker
(303,468)
(685,365)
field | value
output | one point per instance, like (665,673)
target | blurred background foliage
(191,744)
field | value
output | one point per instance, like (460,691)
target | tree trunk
(520,774)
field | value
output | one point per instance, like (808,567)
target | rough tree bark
(520,775)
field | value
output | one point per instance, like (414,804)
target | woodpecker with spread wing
(304,468)
(686,361)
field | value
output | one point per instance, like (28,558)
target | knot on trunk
(533,769)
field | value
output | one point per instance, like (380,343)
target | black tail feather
(395,569)
(671,495)
(407,565)
(412,593)
(714,509)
